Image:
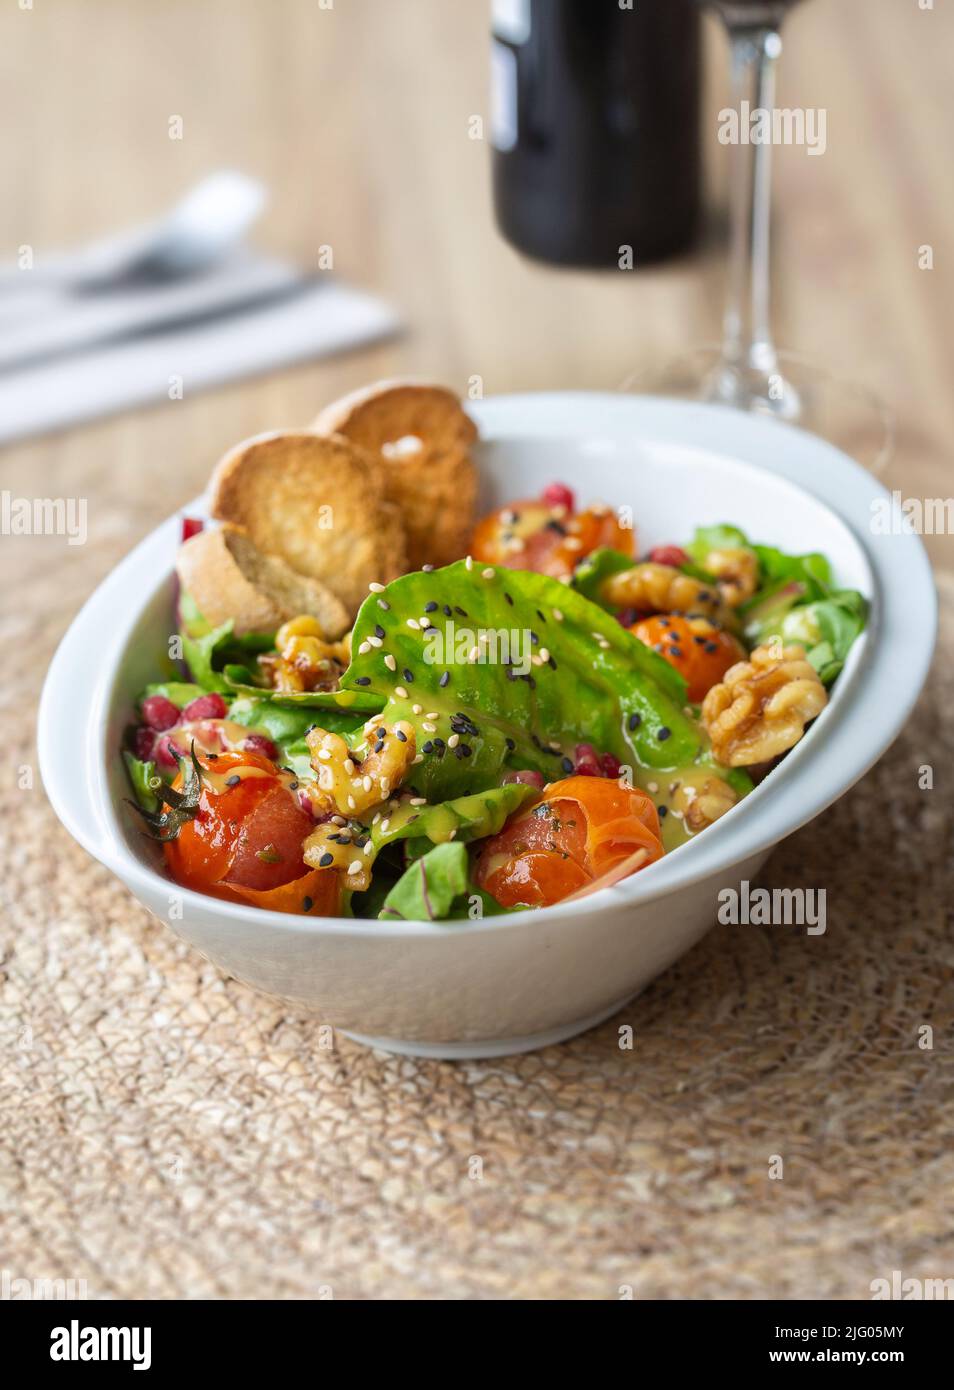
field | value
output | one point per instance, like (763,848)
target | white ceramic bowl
(511,983)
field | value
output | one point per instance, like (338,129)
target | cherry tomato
(535,535)
(245,841)
(700,651)
(581,829)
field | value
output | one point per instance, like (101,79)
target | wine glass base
(801,393)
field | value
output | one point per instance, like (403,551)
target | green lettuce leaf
(287,725)
(426,891)
(719,537)
(592,681)
(140,776)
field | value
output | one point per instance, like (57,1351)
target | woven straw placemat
(167,1132)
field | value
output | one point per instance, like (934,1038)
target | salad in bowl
(378,703)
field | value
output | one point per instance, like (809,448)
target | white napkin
(134,345)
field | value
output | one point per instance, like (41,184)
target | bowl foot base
(492,1047)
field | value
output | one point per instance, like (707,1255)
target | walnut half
(762,705)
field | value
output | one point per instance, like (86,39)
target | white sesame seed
(418,801)
(338,820)
(453,833)
(418,758)
(412,622)
(558,615)
(324,754)
(418,709)
(469,562)
(348,766)
(536,659)
(390,663)
(428,726)
(384,825)
(352,803)
(488,573)
(453,741)
(355,867)
(400,692)
(376,817)
(369,848)
(363,648)
(603,643)
(652,787)
(367,783)
(433,714)
(385,784)
(376,588)
(374,641)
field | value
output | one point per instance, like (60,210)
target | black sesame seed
(427,747)
(446,610)
(662,733)
(510,744)
(214,757)
(400,735)
(307,904)
(431,607)
(379,745)
(293,786)
(408,675)
(634,721)
(663,811)
(552,664)
(233,781)
(531,682)
(508,598)
(566,764)
(325,860)
(554,525)
(379,631)
(699,641)
(461,611)
(711,647)
(704,596)
(676,652)
(534,638)
(360,680)
(445,679)
(440,744)
(541,616)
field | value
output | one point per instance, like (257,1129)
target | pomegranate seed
(143,742)
(205,707)
(258,743)
(163,752)
(586,760)
(669,555)
(160,713)
(527,777)
(191,526)
(559,495)
(610,764)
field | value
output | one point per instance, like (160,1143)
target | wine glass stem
(748,338)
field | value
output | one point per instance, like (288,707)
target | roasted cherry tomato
(245,841)
(698,649)
(546,537)
(582,830)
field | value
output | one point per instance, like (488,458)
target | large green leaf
(464,818)
(589,680)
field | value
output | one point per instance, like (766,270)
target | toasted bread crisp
(423,436)
(228,577)
(317,502)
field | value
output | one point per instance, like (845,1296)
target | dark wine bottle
(595,128)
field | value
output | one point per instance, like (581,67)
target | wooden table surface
(357,118)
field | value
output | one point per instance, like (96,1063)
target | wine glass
(746,370)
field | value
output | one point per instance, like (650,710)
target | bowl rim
(880,684)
